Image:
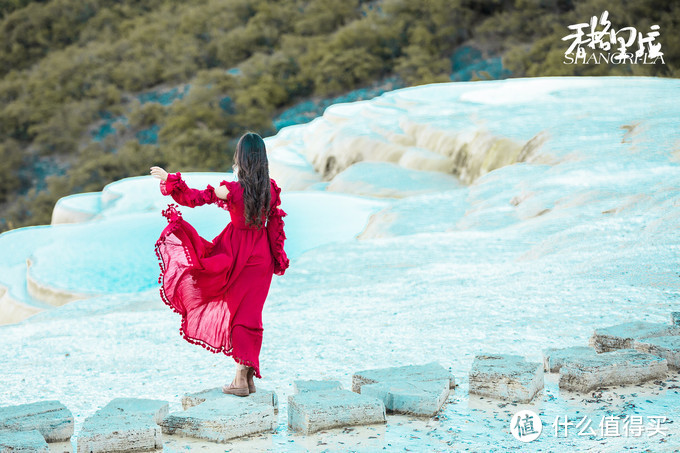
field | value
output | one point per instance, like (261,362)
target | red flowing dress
(220,286)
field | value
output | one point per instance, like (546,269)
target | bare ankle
(244,375)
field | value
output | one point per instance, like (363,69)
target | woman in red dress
(220,286)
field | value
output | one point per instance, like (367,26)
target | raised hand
(158,172)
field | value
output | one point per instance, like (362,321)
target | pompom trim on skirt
(174,217)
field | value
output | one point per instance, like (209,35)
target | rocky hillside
(94,91)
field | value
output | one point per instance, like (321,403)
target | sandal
(231,389)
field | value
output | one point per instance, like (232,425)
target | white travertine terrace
(560,216)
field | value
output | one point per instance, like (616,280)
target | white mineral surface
(560,217)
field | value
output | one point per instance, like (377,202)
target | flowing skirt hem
(197,341)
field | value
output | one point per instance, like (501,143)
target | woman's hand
(158,172)
(221,192)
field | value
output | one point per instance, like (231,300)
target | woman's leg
(250,372)
(241,379)
(246,325)
(251,381)
(239,386)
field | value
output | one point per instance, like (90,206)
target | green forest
(68,67)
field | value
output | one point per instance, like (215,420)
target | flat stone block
(31,441)
(506,377)
(422,398)
(622,336)
(554,358)
(260,396)
(50,417)
(124,424)
(664,347)
(619,367)
(310,412)
(315,386)
(221,419)
(429,372)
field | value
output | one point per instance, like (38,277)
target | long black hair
(253,175)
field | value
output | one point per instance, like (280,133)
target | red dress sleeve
(176,187)
(228,202)
(276,234)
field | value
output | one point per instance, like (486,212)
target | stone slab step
(622,336)
(309,412)
(664,347)
(221,419)
(421,398)
(261,396)
(618,367)
(124,424)
(50,417)
(31,441)
(428,372)
(505,377)
(554,358)
(301,386)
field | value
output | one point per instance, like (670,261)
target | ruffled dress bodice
(180,192)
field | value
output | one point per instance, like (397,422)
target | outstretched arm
(172,184)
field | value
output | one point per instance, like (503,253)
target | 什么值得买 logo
(526,425)
(608,45)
